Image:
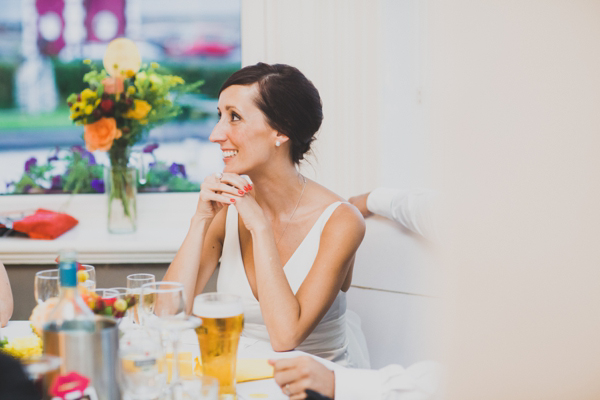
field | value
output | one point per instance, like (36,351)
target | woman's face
(246,140)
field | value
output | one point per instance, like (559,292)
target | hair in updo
(288,100)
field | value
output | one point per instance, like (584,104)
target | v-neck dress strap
(329,339)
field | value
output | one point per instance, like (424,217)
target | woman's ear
(281,138)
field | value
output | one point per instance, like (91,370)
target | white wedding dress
(337,337)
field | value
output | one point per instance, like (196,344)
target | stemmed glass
(134,287)
(107,293)
(90,282)
(163,308)
(143,370)
(46,285)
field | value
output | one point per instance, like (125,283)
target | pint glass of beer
(222,323)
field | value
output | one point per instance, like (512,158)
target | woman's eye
(235,117)
(219,114)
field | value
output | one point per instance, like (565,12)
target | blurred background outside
(43,44)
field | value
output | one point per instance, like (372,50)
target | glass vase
(121,191)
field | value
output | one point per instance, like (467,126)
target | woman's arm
(6,299)
(291,318)
(199,254)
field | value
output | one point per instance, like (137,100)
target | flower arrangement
(123,101)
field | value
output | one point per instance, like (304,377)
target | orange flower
(101,134)
(113,85)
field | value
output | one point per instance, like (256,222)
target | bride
(286,243)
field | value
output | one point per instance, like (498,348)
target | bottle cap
(68,268)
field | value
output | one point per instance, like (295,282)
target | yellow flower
(155,79)
(140,110)
(154,65)
(177,80)
(89,109)
(77,109)
(129,73)
(87,61)
(88,94)
(131,90)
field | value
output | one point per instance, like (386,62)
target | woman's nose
(217,134)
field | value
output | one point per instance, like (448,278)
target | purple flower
(84,154)
(56,182)
(27,188)
(150,148)
(90,157)
(55,156)
(30,163)
(175,169)
(77,149)
(97,185)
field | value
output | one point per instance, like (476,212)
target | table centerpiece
(122,103)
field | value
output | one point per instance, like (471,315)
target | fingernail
(249,187)
(241,192)
(232,200)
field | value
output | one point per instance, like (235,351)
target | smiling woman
(286,243)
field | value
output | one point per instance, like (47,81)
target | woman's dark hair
(289,101)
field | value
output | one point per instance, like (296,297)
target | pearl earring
(278,143)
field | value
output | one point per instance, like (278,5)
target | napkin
(43,224)
(247,369)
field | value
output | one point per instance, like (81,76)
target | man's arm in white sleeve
(420,381)
(413,209)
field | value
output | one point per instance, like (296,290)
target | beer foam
(216,309)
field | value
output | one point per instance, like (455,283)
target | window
(43,44)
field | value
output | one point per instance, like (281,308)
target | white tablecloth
(248,348)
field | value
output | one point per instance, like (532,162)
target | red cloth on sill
(45,224)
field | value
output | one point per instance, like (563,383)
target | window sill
(163,221)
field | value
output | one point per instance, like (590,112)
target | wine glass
(107,293)
(143,365)
(134,287)
(162,305)
(46,285)
(90,282)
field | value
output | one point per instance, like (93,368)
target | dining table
(265,389)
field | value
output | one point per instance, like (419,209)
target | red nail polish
(249,187)
(240,192)
(232,200)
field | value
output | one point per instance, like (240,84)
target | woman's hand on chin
(219,190)
(251,213)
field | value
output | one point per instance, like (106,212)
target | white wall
(365,58)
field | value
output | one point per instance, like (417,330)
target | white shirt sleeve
(420,381)
(411,208)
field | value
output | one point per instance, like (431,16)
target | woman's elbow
(285,342)
(6,310)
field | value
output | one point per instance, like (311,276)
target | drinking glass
(222,323)
(162,305)
(134,287)
(200,388)
(46,285)
(107,293)
(38,366)
(90,282)
(143,365)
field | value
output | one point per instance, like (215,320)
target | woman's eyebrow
(227,108)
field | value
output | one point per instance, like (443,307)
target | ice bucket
(93,355)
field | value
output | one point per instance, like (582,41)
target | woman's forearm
(184,267)
(279,306)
